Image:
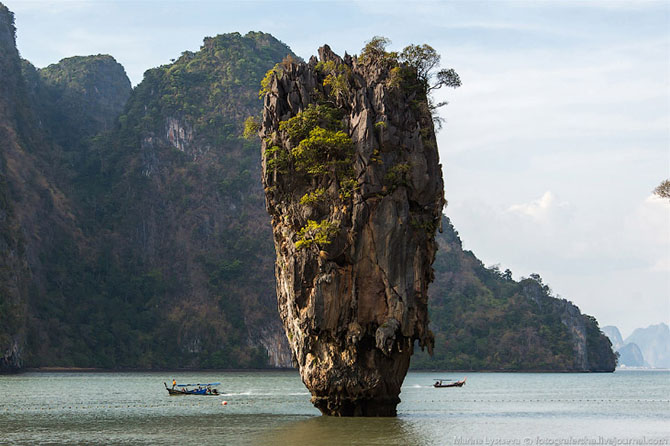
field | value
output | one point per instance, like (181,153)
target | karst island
(353,184)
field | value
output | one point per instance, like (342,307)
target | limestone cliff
(35,217)
(13,273)
(355,191)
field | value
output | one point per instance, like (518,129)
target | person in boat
(174,383)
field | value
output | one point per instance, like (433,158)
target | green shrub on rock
(315,234)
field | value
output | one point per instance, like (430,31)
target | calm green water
(273,408)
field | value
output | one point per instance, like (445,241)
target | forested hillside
(485,320)
(171,211)
(173,197)
(12,247)
(133,230)
(36,218)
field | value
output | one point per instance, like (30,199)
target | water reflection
(324,430)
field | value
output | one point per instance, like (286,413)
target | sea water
(273,408)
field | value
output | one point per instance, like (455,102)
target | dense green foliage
(318,195)
(83,96)
(484,320)
(317,152)
(322,150)
(185,193)
(251,127)
(11,244)
(315,234)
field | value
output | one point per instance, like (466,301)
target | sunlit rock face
(354,188)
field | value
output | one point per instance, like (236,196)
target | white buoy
(223,403)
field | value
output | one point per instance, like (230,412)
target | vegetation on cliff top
(317,152)
(414,70)
(313,144)
(86,95)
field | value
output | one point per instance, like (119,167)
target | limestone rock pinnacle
(354,188)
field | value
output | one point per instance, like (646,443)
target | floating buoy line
(117,406)
(443,403)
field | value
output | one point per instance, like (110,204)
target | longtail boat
(193,389)
(441,383)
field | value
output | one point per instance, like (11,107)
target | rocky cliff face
(614,336)
(12,303)
(34,215)
(355,191)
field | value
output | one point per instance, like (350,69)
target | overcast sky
(552,146)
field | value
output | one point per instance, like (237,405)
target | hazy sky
(552,146)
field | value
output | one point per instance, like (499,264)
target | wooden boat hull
(439,384)
(172,391)
(458,384)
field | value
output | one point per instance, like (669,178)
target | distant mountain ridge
(630,355)
(133,232)
(645,347)
(614,335)
(654,343)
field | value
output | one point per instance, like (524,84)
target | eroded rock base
(362,383)
(337,406)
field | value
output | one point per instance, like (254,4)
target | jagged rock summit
(354,187)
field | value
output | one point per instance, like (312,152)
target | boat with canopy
(193,389)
